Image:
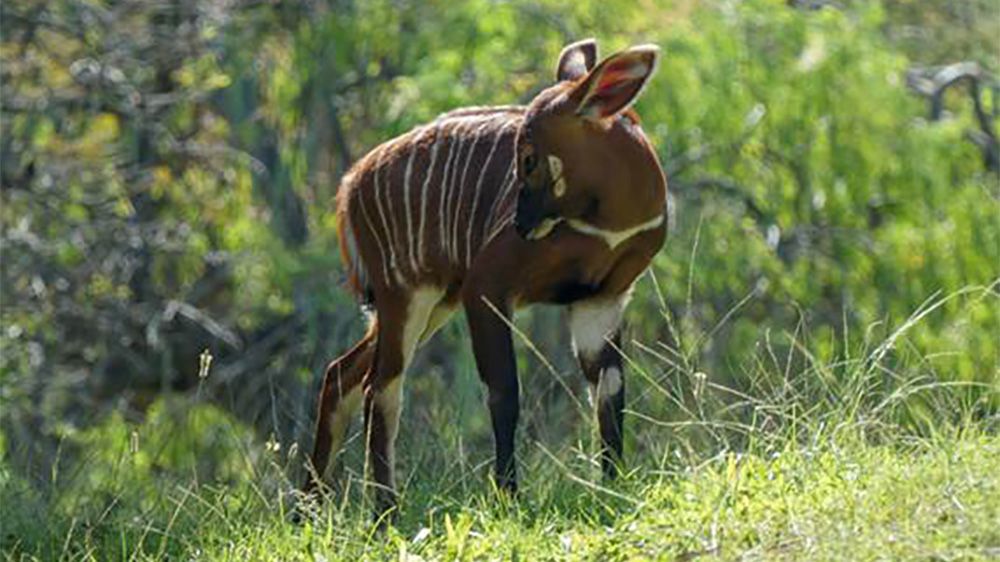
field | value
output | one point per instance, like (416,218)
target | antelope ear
(616,83)
(576,59)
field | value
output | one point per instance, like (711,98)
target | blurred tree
(937,32)
(810,184)
(120,189)
(167,171)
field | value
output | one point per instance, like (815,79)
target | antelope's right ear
(615,84)
(576,59)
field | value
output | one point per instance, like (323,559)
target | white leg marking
(339,421)
(609,384)
(421,249)
(479,187)
(390,402)
(439,316)
(591,322)
(423,301)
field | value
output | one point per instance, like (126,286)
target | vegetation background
(826,304)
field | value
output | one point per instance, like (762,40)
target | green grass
(839,498)
(859,456)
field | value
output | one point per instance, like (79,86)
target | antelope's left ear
(615,84)
(576,59)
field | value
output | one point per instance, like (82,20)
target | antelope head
(581,156)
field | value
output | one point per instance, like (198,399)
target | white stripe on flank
(459,202)
(443,187)
(479,187)
(511,182)
(406,198)
(445,217)
(449,189)
(378,239)
(508,180)
(357,267)
(381,211)
(421,251)
(390,199)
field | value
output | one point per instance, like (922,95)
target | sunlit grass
(838,498)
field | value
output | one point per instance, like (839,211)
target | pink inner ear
(618,74)
(616,86)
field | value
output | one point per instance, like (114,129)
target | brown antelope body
(561,201)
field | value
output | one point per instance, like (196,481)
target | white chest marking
(614,237)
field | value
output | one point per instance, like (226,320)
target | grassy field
(866,456)
(837,498)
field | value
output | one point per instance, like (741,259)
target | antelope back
(417,208)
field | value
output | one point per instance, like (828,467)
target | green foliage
(834,258)
(804,175)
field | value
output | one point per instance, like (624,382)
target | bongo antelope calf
(492,208)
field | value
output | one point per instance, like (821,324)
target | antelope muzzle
(532,218)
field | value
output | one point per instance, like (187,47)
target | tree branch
(933,83)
